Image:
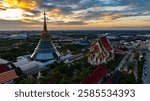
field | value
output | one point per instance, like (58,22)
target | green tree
(28,80)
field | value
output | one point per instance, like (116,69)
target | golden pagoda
(45,49)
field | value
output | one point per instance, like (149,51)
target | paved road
(136,69)
(146,69)
(123,62)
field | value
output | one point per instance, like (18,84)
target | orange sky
(28,15)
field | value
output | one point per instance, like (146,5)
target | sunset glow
(75,14)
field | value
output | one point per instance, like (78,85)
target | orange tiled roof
(7,76)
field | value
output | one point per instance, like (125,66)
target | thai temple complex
(44,54)
(101,51)
(45,49)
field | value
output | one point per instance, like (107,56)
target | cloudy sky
(74,14)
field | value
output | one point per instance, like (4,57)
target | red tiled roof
(3,68)
(7,76)
(96,76)
(109,82)
(105,43)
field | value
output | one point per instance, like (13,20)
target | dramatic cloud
(76,12)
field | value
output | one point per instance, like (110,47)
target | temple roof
(96,76)
(45,49)
(102,44)
(7,76)
(2,61)
(105,43)
(3,68)
(100,51)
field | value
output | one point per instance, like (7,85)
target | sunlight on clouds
(120,24)
(23,4)
(107,18)
(1,4)
(30,12)
(15,9)
(115,8)
(5,4)
(137,18)
(55,13)
(11,14)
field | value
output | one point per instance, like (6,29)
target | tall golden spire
(45,34)
(45,26)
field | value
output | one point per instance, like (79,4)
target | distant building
(63,58)
(18,36)
(2,61)
(23,57)
(45,49)
(144,44)
(72,58)
(83,42)
(29,67)
(149,45)
(101,51)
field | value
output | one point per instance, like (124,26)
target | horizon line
(83,30)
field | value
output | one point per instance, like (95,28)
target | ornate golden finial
(45,26)
(44,34)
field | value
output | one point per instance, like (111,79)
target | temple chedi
(45,50)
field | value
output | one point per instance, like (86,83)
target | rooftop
(7,76)
(2,61)
(96,76)
(3,68)
(104,41)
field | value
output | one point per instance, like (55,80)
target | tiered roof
(105,43)
(100,51)
(45,49)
